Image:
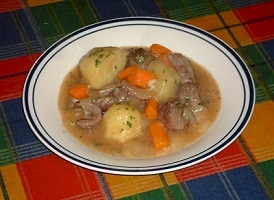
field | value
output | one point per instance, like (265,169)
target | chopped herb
(97,144)
(129,124)
(187,97)
(140,59)
(98,60)
(131,117)
(121,130)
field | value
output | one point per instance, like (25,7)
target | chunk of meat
(93,115)
(87,123)
(140,57)
(183,67)
(171,114)
(120,94)
(104,102)
(189,94)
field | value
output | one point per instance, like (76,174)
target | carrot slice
(158,49)
(151,110)
(127,72)
(159,135)
(137,76)
(140,78)
(79,91)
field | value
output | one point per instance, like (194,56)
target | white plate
(44,79)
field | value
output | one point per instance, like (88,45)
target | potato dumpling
(100,66)
(122,122)
(167,83)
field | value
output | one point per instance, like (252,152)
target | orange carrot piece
(163,57)
(140,78)
(158,49)
(127,72)
(159,135)
(137,76)
(79,91)
(151,110)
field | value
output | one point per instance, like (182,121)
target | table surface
(28,170)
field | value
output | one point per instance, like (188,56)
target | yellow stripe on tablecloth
(218,25)
(33,3)
(170,178)
(238,30)
(242,36)
(13,185)
(225,36)
(230,18)
(209,22)
(259,133)
(122,186)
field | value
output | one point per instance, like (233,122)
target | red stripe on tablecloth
(230,158)
(258,20)
(13,73)
(50,177)
(9,5)
(12,87)
(256,12)
(262,30)
(17,65)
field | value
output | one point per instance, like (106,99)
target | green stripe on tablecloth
(268,169)
(160,193)
(58,19)
(262,69)
(153,194)
(260,91)
(5,153)
(221,5)
(186,9)
(182,10)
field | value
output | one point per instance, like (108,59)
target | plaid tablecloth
(28,170)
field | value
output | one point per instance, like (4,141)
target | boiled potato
(122,122)
(101,65)
(167,83)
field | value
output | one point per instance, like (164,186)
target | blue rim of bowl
(135,21)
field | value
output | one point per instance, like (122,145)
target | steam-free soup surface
(197,115)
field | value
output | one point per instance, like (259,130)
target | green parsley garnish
(129,124)
(140,59)
(98,60)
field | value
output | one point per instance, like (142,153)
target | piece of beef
(120,94)
(93,115)
(183,67)
(104,102)
(171,114)
(140,57)
(189,94)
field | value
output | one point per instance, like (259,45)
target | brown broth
(142,146)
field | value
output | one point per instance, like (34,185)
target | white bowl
(44,79)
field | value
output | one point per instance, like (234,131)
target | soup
(113,99)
